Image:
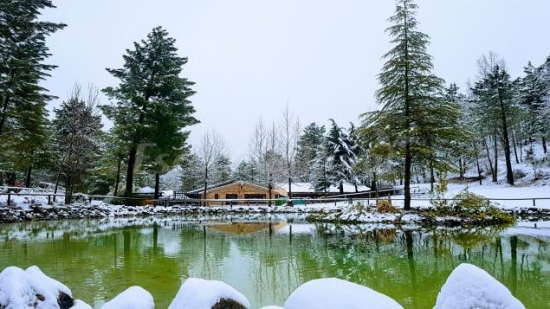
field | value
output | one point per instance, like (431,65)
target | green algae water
(269,257)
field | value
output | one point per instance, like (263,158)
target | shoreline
(340,214)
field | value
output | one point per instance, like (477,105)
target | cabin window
(216,196)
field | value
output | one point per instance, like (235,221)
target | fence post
(9,199)
(49,199)
(534,202)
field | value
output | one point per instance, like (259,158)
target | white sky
(249,57)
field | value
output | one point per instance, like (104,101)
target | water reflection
(267,258)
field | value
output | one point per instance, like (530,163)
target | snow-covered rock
(333,293)
(471,287)
(31,288)
(134,297)
(204,294)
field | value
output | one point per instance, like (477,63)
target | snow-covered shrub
(479,208)
(518,173)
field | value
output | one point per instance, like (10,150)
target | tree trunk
(495,170)
(157,186)
(68,189)
(56,185)
(130,171)
(477,164)
(374,185)
(515,146)
(507,154)
(432,176)
(489,158)
(544,148)
(28,179)
(460,168)
(289,187)
(117,182)
(408,165)
(205,184)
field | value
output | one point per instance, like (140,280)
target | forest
(426,128)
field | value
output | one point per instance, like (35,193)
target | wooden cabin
(237,190)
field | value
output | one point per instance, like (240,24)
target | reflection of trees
(410,266)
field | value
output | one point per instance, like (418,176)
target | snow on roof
(333,293)
(308,187)
(471,287)
(199,293)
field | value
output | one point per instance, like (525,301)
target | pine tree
(151,104)
(534,89)
(77,131)
(192,172)
(246,171)
(341,156)
(23,50)
(321,169)
(221,169)
(494,96)
(308,142)
(410,94)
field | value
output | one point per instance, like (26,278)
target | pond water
(269,257)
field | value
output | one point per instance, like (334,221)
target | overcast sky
(250,57)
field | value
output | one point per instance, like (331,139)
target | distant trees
(150,107)
(77,133)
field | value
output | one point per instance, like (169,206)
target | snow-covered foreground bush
(467,287)
(332,293)
(471,287)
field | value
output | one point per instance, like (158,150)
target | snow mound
(471,287)
(197,293)
(134,297)
(146,190)
(272,307)
(333,293)
(33,289)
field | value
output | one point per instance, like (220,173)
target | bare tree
(264,151)
(211,147)
(289,131)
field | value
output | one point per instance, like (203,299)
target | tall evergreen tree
(410,94)
(151,104)
(23,50)
(494,96)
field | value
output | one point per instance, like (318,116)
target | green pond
(266,258)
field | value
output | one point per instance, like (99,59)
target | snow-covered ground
(508,197)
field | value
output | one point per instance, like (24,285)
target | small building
(236,190)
